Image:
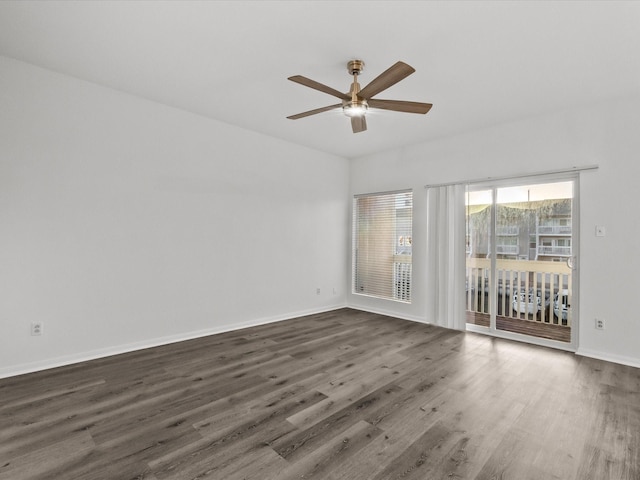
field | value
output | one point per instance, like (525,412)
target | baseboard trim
(401,316)
(629,361)
(23,369)
(608,357)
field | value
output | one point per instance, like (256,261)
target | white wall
(125,223)
(606,135)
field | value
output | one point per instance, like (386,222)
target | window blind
(382,244)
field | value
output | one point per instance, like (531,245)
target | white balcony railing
(503,231)
(526,290)
(550,250)
(554,229)
(402,281)
(508,249)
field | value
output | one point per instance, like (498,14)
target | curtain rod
(514,177)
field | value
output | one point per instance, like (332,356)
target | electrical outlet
(37,328)
(318,291)
(599,324)
(335,291)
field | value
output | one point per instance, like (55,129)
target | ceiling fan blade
(389,77)
(358,124)
(400,106)
(313,112)
(307,82)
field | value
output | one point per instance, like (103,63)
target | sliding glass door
(520,260)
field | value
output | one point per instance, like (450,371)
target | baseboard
(22,369)
(608,357)
(632,362)
(401,316)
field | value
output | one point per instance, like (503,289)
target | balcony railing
(402,278)
(550,250)
(532,297)
(554,229)
(503,231)
(508,249)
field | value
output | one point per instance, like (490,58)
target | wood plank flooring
(340,395)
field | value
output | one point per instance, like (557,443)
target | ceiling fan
(356,103)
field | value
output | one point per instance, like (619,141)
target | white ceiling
(480,63)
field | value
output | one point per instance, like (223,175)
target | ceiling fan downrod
(355,107)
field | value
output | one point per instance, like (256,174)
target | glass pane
(533,237)
(478,262)
(528,288)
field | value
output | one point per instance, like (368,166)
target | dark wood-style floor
(341,395)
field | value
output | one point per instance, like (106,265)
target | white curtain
(446,256)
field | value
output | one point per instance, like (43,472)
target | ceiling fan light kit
(357,102)
(355,108)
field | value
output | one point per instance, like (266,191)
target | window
(382,243)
